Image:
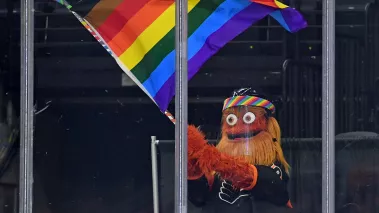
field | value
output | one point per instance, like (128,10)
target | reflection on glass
(357,109)
(9,111)
(9,166)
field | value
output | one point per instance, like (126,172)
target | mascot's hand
(234,169)
(205,159)
(230,194)
(242,175)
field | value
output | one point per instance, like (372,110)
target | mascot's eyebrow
(229,110)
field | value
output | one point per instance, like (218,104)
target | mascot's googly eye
(249,118)
(231,119)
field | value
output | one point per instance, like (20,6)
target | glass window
(284,68)
(9,110)
(92,127)
(257,101)
(357,104)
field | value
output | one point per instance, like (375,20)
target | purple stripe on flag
(166,93)
(239,23)
(295,21)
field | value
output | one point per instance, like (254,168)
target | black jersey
(269,194)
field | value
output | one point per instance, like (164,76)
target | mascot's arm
(271,187)
(205,160)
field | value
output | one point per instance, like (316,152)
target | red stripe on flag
(270,3)
(119,17)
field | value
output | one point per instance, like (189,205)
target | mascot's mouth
(241,136)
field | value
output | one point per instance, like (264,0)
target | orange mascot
(246,172)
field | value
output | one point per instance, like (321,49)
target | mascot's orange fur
(234,161)
(246,163)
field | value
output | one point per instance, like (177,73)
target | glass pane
(357,106)
(286,67)
(93,124)
(93,127)
(9,109)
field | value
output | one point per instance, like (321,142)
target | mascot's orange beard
(257,150)
(260,149)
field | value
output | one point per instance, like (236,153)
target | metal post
(154,170)
(181,105)
(26,122)
(328,107)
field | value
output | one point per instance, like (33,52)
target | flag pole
(181,105)
(170,116)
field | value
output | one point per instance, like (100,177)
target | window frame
(27,108)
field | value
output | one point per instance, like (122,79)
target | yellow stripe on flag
(151,36)
(280,4)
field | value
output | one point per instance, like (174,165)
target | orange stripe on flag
(270,3)
(137,24)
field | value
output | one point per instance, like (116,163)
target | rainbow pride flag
(140,34)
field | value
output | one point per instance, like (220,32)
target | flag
(140,34)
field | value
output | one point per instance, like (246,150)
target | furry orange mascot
(247,168)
